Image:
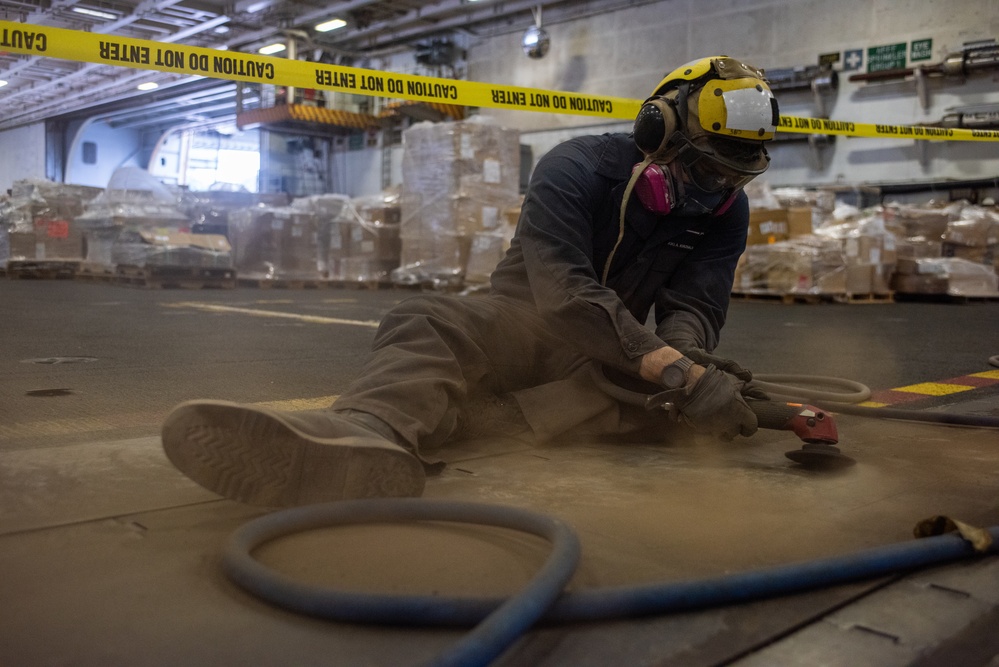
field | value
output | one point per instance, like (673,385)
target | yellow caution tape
(199,61)
(850,129)
(88,47)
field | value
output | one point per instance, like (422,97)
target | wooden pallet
(96,273)
(794,297)
(311,283)
(944,297)
(888,297)
(282,283)
(42,269)
(154,276)
(363,284)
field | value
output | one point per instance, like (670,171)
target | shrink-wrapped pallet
(950,276)
(458,179)
(125,223)
(38,221)
(276,242)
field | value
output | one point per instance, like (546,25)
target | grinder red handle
(808,422)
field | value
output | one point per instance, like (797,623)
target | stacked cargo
(136,223)
(805,265)
(950,249)
(276,242)
(458,180)
(331,218)
(38,221)
(209,211)
(372,240)
(800,245)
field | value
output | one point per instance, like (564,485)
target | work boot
(280,459)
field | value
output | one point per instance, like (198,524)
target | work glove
(714,405)
(741,377)
(705,358)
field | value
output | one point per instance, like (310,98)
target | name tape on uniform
(101,49)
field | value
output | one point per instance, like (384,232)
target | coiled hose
(499,623)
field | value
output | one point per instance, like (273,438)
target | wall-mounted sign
(887,57)
(921,49)
(828,59)
(852,60)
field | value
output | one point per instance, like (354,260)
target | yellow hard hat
(713,115)
(727,97)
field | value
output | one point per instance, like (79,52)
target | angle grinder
(814,426)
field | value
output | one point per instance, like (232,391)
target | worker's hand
(704,358)
(749,391)
(714,404)
(741,377)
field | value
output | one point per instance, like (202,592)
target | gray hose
(791,387)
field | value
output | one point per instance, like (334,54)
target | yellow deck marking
(872,404)
(992,375)
(934,388)
(297,404)
(314,319)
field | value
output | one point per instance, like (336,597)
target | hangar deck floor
(109,556)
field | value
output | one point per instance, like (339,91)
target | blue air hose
(498,623)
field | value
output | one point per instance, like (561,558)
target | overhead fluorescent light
(148,85)
(330,25)
(2,83)
(271,49)
(258,6)
(95,13)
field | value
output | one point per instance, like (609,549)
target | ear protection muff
(655,124)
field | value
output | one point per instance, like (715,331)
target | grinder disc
(820,456)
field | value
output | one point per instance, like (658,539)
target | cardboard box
(830,280)
(953,276)
(919,284)
(767,225)
(486,251)
(436,260)
(771,225)
(985,254)
(169,247)
(275,243)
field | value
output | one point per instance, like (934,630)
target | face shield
(714,164)
(722,145)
